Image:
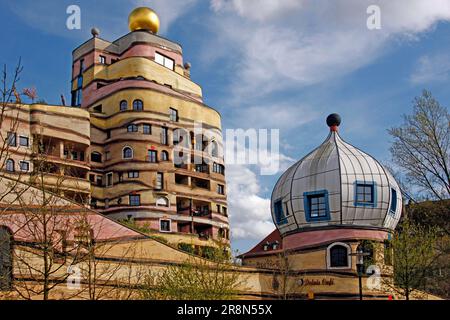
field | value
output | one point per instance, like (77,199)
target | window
(10,165)
(81,65)
(316,206)
(127,153)
(96,157)
(77,95)
(99,181)
(120,177)
(133,174)
(164,136)
(164,226)
(135,200)
(364,193)
(138,105)
(11,139)
(278,212)
(109,179)
(338,256)
(162,202)
(74,155)
(224,211)
(173,113)
(108,155)
(218,168)
(393,207)
(164,61)
(98,109)
(133,128)
(220,189)
(147,129)
(24,141)
(6,263)
(102,59)
(24,166)
(123,105)
(159,181)
(219,209)
(164,156)
(152,156)
(108,134)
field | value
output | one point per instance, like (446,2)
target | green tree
(414,255)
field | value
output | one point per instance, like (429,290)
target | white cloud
(431,68)
(286,44)
(250,216)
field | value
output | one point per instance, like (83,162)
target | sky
(263,64)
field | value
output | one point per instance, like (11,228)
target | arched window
(96,157)
(164,156)
(138,105)
(10,165)
(338,255)
(162,202)
(123,105)
(5,259)
(127,153)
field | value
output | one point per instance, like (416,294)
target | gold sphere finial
(143,18)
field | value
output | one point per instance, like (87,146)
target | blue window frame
(278,212)
(393,207)
(316,206)
(365,194)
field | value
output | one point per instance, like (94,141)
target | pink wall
(321,237)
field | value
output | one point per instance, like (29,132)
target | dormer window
(279,214)
(164,61)
(316,206)
(393,207)
(365,194)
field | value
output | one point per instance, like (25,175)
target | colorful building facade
(138,139)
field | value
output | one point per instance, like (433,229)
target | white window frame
(164,206)
(165,61)
(170,225)
(349,258)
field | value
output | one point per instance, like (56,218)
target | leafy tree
(421,147)
(414,255)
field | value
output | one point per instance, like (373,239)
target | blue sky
(263,64)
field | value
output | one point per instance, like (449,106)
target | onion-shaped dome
(336,185)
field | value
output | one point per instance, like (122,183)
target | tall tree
(414,257)
(421,147)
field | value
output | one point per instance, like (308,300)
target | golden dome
(143,18)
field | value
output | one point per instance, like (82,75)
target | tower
(155,152)
(335,201)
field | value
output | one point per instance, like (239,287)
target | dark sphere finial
(333,121)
